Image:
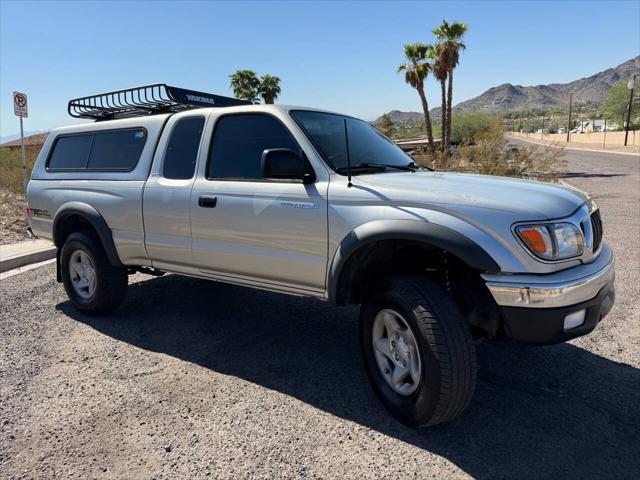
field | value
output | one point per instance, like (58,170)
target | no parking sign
(20,104)
(20,109)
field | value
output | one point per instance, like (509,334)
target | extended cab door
(248,229)
(167,193)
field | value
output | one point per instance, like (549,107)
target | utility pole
(542,129)
(604,141)
(626,130)
(569,124)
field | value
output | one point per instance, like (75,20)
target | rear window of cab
(110,150)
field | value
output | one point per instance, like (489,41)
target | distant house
(590,126)
(582,127)
(599,125)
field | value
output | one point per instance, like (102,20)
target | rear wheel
(418,351)
(93,285)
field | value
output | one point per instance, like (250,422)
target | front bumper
(534,307)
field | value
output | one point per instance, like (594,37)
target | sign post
(20,109)
(626,127)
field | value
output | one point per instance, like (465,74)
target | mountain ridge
(508,97)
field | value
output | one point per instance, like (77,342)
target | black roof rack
(145,100)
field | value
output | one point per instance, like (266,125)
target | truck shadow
(556,411)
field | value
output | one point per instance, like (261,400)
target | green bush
(465,127)
(617,103)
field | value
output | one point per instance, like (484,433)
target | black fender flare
(424,232)
(96,220)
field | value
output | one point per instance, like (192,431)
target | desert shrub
(437,160)
(489,156)
(465,127)
(486,153)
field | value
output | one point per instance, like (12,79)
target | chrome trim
(560,289)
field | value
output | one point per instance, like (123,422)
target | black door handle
(207,202)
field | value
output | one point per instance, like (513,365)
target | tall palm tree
(440,72)
(269,88)
(416,68)
(244,84)
(450,40)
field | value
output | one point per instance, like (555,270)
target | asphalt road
(191,379)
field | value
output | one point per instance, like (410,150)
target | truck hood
(527,200)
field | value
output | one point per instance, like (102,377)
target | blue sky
(335,55)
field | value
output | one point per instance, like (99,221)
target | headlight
(554,241)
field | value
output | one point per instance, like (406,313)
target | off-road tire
(111,282)
(447,351)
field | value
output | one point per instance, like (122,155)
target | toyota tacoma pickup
(317,204)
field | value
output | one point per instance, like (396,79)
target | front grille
(596,227)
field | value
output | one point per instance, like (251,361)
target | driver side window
(238,143)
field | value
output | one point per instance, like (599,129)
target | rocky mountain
(509,98)
(512,98)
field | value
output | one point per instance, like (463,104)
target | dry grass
(11,166)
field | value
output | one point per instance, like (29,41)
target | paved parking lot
(192,379)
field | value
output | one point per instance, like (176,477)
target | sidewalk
(25,253)
(583,146)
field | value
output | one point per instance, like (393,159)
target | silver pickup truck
(318,204)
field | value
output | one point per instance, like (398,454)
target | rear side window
(110,150)
(239,141)
(182,151)
(116,150)
(71,152)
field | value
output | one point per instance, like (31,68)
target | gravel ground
(192,379)
(12,222)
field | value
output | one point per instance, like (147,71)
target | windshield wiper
(377,167)
(411,167)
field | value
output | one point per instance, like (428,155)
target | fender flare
(424,232)
(96,220)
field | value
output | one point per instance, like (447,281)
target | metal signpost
(626,127)
(20,109)
(569,123)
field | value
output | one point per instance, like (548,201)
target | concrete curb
(25,253)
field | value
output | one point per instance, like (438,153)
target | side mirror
(282,163)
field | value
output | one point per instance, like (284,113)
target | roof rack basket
(145,100)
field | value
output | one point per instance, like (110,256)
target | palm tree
(269,88)
(440,73)
(416,69)
(244,84)
(450,44)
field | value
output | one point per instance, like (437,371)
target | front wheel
(93,285)
(418,351)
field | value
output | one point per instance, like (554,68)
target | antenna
(346,138)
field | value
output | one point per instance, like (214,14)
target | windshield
(367,146)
